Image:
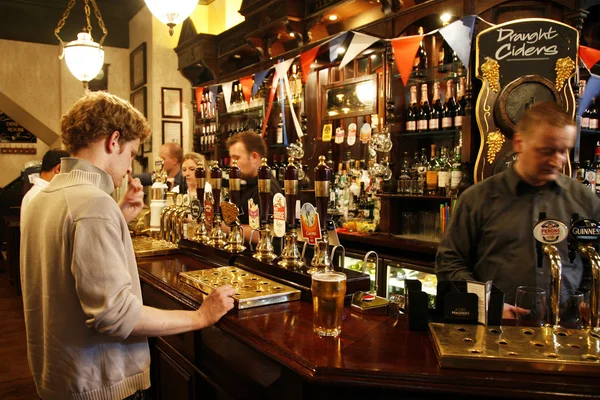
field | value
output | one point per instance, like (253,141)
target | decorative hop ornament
(491,71)
(494,141)
(564,68)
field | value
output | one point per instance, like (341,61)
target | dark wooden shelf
(412,197)
(431,134)
(252,110)
(382,242)
(590,131)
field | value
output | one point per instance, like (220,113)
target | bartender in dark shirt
(490,235)
(248,148)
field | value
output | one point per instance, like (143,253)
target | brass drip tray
(251,290)
(144,246)
(517,348)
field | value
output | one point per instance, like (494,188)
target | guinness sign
(585,231)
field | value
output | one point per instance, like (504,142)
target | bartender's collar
(519,186)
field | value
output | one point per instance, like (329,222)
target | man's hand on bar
(216,304)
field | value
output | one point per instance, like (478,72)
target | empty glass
(573,309)
(531,304)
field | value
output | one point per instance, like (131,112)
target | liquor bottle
(596,167)
(292,80)
(577,172)
(420,63)
(413,111)
(450,107)
(404,178)
(456,174)
(414,173)
(444,173)
(459,111)
(465,181)
(585,116)
(590,176)
(279,135)
(330,164)
(593,115)
(435,117)
(422,173)
(432,173)
(461,95)
(425,111)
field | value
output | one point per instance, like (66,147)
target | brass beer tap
(201,234)
(264,248)
(290,255)
(321,262)
(217,236)
(230,211)
(158,201)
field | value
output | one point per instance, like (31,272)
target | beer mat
(229,211)
(144,246)
(251,290)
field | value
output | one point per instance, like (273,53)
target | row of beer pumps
(583,238)
(167,215)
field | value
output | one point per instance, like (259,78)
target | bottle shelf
(244,111)
(590,131)
(437,73)
(443,134)
(413,197)
(205,120)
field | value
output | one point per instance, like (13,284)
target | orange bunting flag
(405,51)
(589,56)
(306,59)
(247,83)
(199,93)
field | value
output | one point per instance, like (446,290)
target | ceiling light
(171,12)
(83,56)
(333,17)
(292,34)
(445,17)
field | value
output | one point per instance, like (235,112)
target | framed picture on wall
(171,99)
(138,100)
(137,66)
(172,131)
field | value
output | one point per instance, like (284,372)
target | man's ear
(255,157)
(518,142)
(56,169)
(112,142)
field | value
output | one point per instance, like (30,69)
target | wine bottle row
(438,115)
(590,116)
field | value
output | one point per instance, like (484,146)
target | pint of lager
(328,290)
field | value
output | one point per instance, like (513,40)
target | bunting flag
(274,87)
(334,45)
(288,92)
(592,88)
(405,51)
(589,56)
(259,77)
(306,60)
(213,90)
(247,88)
(459,35)
(359,42)
(227,93)
(199,93)
(283,67)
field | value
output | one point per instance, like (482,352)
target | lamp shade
(171,12)
(84,57)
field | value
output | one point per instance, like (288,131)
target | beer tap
(201,234)
(548,233)
(158,201)
(217,236)
(321,261)
(165,219)
(230,211)
(173,224)
(584,235)
(290,256)
(264,248)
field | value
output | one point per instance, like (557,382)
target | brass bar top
(377,352)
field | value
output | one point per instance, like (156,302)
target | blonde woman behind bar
(189,164)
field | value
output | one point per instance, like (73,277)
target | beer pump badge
(253,219)
(311,227)
(279,214)
(209,211)
(327,130)
(585,231)
(550,231)
(365,133)
(195,208)
(351,134)
(339,135)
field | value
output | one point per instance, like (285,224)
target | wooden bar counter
(270,352)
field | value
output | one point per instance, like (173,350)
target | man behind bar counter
(86,324)
(490,235)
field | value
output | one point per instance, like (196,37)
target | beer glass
(328,290)
(531,306)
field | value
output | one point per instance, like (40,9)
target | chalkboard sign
(12,132)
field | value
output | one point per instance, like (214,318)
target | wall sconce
(83,56)
(171,13)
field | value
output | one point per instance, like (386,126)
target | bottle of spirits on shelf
(466,180)
(413,111)
(449,107)
(596,168)
(459,110)
(414,173)
(422,174)
(593,115)
(404,178)
(420,63)
(279,134)
(585,117)
(432,173)
(435,116)
(456,174)
(444,173)
(425,111)
(590,176)
(461,96)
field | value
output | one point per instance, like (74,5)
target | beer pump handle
(572,243)
(235,178)
(322,182)
(264,191)
(216,180)
(200,175)
(291,192)
(538,244)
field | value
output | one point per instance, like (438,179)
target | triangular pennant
(199,93)
(405,51)
(592,88)
(282,67)
(458,35)
(259,77)
(227,93)
(247,88)
(589,56)
(214,89)
(334,45)
(306,59)
(274,87)
(359,42)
